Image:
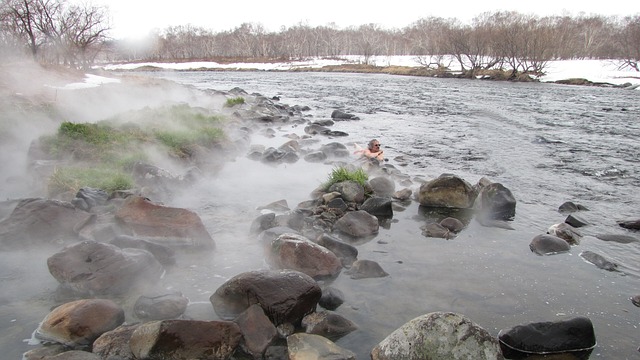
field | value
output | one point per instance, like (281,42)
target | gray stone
(438,335)
(309,346)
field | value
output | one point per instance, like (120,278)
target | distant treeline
(78,36)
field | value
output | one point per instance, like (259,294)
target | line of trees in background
(77,35)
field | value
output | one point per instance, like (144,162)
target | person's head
(374,145)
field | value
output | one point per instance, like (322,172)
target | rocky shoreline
(109,252)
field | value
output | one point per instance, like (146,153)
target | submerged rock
(548,245)
(363,269)
(599,261)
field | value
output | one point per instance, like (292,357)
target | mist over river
(547,143)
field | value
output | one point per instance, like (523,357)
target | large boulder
(42,221)
(163,225)
(438,335)
(449,191)
(78,323)
(296,252)
(382,186)
(185,340)
(495,201)
(286,296)
(92,268)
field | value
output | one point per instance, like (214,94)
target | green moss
(341,174)
(105,151)
(234,101)
(71,179)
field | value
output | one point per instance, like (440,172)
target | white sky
(135,18)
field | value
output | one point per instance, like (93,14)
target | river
(547,143)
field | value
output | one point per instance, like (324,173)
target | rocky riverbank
(109,251)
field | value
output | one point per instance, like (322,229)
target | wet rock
(635,300)
(165,225)
(548,245)
(41,221)
(87,198)
(78,323)
(263,222)
(345,252)
(331,298)
(185,339)
(438,335)
(277,206)
(160,306)
(382,186)
(296,252)
(335,149)
(315,157)
(338,204)
(357,224)
(341,115)
(575,221)
(630,224)
(102,269)
(598,260)
(309,346)
(44,352)
(268,235)
(573,336)
(437,231)
(331,325)
(257,330)
(74,355)
(164,254)
(350,191)
(378,206)
(114,344)
(402,195)
(569,207)
(622,239)
(566,232)
(447,191)
(495,201)
(286,296)
(452,224)
(363,269)
(315,129)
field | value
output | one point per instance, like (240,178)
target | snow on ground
(592,70)
(90,81)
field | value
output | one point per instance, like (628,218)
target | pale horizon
(137,18)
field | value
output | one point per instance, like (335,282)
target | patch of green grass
(71,179)
(340,174)
(106,151)
(234,101)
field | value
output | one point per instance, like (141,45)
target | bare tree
(628,39)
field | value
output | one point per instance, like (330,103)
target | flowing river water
(547,143)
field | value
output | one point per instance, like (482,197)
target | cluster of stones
(120,244)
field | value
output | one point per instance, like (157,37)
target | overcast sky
(135,18)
